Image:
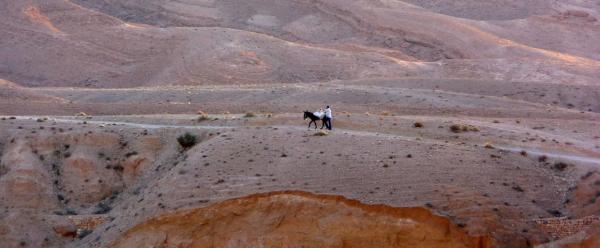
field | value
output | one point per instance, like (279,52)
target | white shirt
(318,114)
(328,113)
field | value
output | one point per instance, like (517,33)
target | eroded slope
(299,219)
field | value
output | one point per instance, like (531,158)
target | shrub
(81,233)
(418,125)
(203,117)
(459,128)
(321,133)
(517,188)
(187,140)
(488,145)
(555,213)
(455,128)
(102,208)
(250,115)
(560,166)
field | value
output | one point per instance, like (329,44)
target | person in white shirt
(328,117)
(320,113)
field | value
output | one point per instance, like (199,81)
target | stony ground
(485,113)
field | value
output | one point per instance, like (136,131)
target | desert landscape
(179,123)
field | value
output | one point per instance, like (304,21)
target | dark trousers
(327,122)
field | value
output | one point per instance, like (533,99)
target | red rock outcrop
(299,219)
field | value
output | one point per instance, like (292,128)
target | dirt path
(550,154)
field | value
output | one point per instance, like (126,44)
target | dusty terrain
(465,123)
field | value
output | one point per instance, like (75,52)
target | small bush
(488,145)
(321,133)
(455,128)
(560,166)
(81,233)
(250,115)
(102,208)
(203,117)
(523,153)
(418,125)
(542,158)
(187,140)
(517,188)
(555,213)
(459,128)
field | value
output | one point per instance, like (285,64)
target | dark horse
(313,118)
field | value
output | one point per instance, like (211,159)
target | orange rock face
(298,219)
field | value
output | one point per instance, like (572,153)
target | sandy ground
(94,94)
(370,157)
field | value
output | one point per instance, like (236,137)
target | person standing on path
(328,117)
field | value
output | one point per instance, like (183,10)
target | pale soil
(364,158)
(525,73)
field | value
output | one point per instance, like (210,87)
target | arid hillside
(179,123)
(122,44)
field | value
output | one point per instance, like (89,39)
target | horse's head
(306,114)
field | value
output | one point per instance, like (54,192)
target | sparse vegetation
(488,145)
(321,133)
(560,166)
(81,233)
(203,117)
(517,188)
(250,115)
(555,213)
(129,154)
(187,140)
(459,128)
(102,208)
(418,125)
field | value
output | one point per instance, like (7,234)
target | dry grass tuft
(459,128)
(321,133)
(203,117)
(250,115)
(418,125)
(488,145)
